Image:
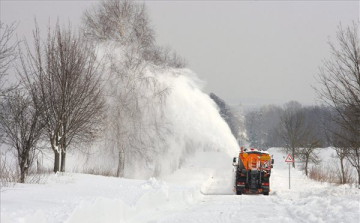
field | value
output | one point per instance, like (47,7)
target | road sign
(289,159)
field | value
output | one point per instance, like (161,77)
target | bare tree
(291,127)
(22,125)
(353,156)
(340,87)
(351,141)
(341,154)
(134,117)
(63,73)
(309,144)
(135,127)
(341,147)
(333,132)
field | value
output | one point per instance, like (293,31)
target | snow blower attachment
(253,170)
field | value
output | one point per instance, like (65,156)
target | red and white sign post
(289,160)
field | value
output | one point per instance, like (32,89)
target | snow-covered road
(192,194)
(338,204)
(306,201)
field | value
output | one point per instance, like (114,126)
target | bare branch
(8,53)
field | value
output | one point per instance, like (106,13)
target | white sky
(248,52)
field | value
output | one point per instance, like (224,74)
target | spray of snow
(195,127)
(196,124)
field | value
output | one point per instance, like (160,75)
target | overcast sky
(247,52)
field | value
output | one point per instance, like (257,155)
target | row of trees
(58,99)
(295,127)
(302,129)
(70,95)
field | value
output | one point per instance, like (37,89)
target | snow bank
(76,198)
(311,201)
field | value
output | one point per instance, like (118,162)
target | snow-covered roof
(255,150)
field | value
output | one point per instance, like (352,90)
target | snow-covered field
(199,192)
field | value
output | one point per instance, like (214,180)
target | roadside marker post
(289,160)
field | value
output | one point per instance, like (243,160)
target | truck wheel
(238,192)
(266,193)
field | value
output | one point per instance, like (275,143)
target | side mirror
(272,161)
(234,162)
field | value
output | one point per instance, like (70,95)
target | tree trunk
(22,172)
(63,156)
(24,164)
(343,177)
(293,156)
(121,163)
(22,176)
(55,148)
(306,165)
(56,161)
(63,149)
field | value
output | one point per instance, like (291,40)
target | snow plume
(189,123)
(195,121)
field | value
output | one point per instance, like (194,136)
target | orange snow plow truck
(252,172)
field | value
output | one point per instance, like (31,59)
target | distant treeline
(265,126)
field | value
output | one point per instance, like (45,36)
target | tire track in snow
(220,204)
(230,209)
